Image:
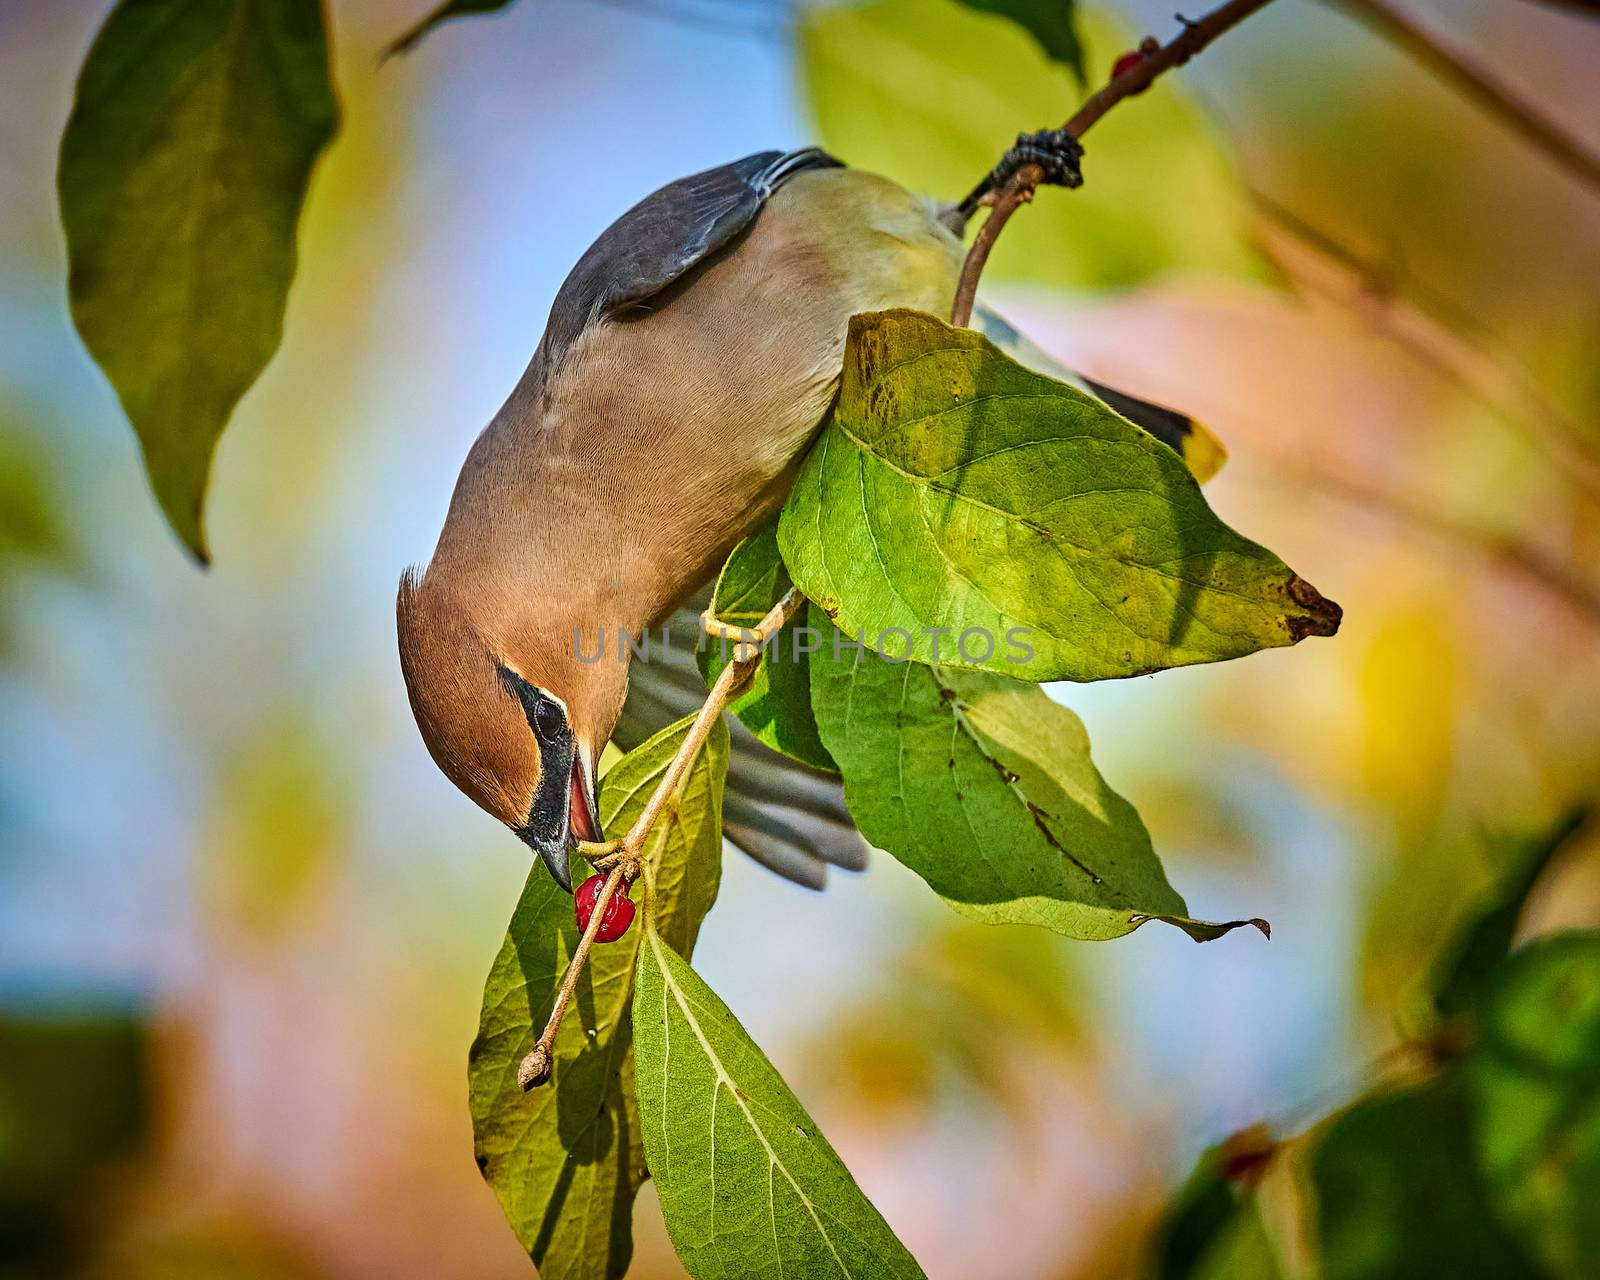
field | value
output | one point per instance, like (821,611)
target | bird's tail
(1190,440)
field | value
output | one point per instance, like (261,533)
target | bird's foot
(742,639)
(605,856)
(746,649)
(1055,151)
(594,850)
(613,854)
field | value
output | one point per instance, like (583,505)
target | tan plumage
(606,492)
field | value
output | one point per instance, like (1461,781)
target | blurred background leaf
(74,1100)
(1053,23)
(1473,1152)
(1480,944)
(931,93)
(183,169)
(1535,1074)
(1214,1226)
(451,9)
(960,1011)
(1398,1192)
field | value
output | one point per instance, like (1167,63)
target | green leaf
(1535,1073)
(777,705)
(1214,1226)
(1470,960)
(183,169)
(1399,1194)
(1053,23)
(565,1161)
(1048,537)
(984,787)
(932,94)
(1200,450)
(77,1088)
(749,1187)
(446,11)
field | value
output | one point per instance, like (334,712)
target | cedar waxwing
(687,362)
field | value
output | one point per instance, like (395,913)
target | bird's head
(515,723)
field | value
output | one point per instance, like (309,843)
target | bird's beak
(584,816)
(564,812)
(554,855)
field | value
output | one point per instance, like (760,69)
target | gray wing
(787,816)
(664,236)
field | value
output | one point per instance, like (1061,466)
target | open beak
(583,820)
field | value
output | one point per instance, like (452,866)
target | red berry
(619,911)
(1127,62)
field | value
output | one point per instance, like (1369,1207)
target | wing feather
(664,236)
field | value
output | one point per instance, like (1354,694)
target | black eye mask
(547,821)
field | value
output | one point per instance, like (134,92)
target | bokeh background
(244,922)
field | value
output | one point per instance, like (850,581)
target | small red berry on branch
(1131,59)
(619,911)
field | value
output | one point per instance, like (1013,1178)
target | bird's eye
(549,722)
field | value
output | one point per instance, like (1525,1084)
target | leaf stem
(1157,60)
(624,864)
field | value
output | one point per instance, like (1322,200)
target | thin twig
(1584,8)
(535,1068)
(1472,78)
(625,862)
(1157,60)
(1436,330)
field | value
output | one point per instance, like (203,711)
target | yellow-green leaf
(749,1187)
(931,94)
(183,169)
(985,788)
(1200,450)
(1052,24)
(960,508)
(566,1160)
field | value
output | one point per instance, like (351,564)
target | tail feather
(1190,440)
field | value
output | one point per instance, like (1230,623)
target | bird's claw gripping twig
(1055,155)
(597,852)
(748,645)
(747,641)
(1055,151)
(607,857)
(622,856)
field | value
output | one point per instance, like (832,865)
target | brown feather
(606,495)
